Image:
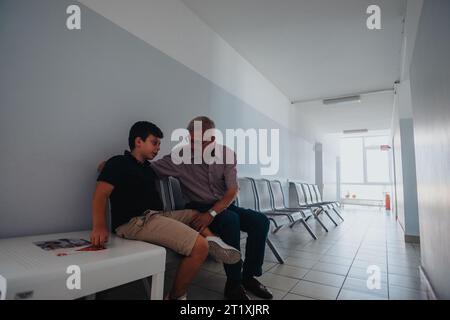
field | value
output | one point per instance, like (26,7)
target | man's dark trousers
(227,225)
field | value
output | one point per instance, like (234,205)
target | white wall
(405,164)
(413,11)
(173,28)
(403,132)
(331,151)
(430,90)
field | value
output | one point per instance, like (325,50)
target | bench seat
(30,272)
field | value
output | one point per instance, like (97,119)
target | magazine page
(64,247)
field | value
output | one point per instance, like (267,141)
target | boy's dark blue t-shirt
(134,188)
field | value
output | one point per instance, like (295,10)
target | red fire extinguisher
(387,201)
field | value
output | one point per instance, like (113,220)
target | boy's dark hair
(143,129)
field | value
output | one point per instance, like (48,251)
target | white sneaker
(222,252)
(183,297)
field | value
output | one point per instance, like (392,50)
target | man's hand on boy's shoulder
(100,166)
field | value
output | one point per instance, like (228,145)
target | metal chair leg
(331,218)
(274,251)
(293,224)
(338,214)
(308,228)
(277,229)
(320,222)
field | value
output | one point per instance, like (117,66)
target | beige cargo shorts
(169,229)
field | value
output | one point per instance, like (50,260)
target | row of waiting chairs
(172,198)
(308,197)
(267,196)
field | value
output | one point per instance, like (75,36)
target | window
(377,166)
(365,167)
(352,162)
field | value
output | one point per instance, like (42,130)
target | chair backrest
(277,195)
(316,190)
(246,197)
(165,194)
(312,193)
(263,195)
(176,195)
(306,193)
(296,196)
(162,185)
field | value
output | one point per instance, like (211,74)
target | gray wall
(68,99)
(430,88)
(409,184)
(318,150)
(399,197)
(406,203)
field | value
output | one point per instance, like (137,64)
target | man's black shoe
(235,291)
(257,288)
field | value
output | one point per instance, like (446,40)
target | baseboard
(430,291)
(412,239)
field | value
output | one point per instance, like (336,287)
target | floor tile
(404,271)
(399,293)
(300,262)
(289,271)
(346,294)
(199,293)
(331,268)
(406,282)
(362,286)
(365,264)
(215,283)
(315,290)
(202,276)
(212,266)
(329,279)
(275,281)
(291,296)
(361,273)
(303,254)
(336,260)
(372,259)
(277,294)
(269,265)
(341,253)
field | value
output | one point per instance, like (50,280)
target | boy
(129,182)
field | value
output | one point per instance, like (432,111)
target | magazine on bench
(64,247)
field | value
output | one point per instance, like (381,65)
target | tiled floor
(335,265)
(332,267)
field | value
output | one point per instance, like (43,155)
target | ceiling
(373,113)
(315,49)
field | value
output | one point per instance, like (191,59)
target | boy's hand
(99,236)
(201,221)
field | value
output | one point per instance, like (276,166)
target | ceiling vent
(355,131)
(348,99)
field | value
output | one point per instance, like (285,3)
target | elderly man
(211,188)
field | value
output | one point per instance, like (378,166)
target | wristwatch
(212,212)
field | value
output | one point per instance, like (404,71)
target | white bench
(30,272)
(362,202)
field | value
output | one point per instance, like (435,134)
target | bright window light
(352,166)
